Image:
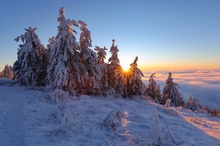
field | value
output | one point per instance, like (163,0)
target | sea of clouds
(202,84)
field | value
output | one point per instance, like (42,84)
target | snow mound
(113,120)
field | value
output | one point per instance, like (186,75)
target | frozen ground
(31,117)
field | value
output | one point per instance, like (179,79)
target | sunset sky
(164,34)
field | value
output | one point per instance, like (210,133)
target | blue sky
(169,34)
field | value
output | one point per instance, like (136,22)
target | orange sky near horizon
(167,66)
(178,67)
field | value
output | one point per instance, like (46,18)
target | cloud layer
(202,84)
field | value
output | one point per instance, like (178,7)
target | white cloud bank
(203,84)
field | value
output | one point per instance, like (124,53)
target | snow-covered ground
(31,117)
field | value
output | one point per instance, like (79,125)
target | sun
(125,68)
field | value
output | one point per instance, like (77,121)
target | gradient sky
(164,34)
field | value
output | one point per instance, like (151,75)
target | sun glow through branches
(125,67)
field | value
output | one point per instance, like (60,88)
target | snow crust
(33,117)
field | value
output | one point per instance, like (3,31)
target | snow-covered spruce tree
(7,72)
(65,71)
(31,65)
(153,90)
(134,84)
(116,75)
(101,55)
(170,91)
(89,60)
(50,45)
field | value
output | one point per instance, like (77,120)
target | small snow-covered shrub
(84,97)
(61,117)
(193,104)
(168,101)
(166,136)
(110,93)
(113,120)
(58,95)
(62,131)
(214,112)
(156,128)
(56,116)
(170,112)
(58,132)
(160,133)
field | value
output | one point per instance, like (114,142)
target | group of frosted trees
(172,97)
(73,66)
(7,72)
(170,94)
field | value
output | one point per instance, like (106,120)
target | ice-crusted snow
(31,117)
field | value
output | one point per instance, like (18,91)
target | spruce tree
(30,67)
(50,45)
(170,91)
(65,71)
(101,55)
(134,84)
(116,76)
(153,90)
(89,60)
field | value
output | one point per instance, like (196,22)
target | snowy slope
(31,117)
